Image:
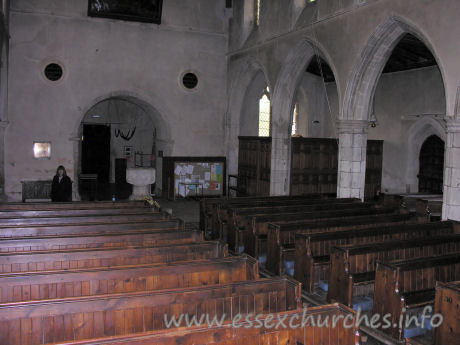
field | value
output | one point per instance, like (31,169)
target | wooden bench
(429,208)
(19,206)
(352,271)
(260,223)
(447,304)
(107,228)
(207,206)
(312,251)
(155,237)
(281,236)
(240,219)
(41,285)
(86,317)
(403,288)
(95,219)
(220,214)
(106,257)
(75,212)
(270,334)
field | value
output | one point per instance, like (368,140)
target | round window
(53,72)
(190,80)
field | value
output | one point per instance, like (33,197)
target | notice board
(191,176)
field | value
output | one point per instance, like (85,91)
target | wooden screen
(254,163)
(314,165)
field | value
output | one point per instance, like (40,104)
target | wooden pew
(106,257)
(312,250)
(22,206)
(410,284)
(76,212)
(281,236)
(352,271)
(447,304)
(207,205)
(220,214)
(429,208)
(155,237)
(41,285)
(95,219)
(59,229)
(86,317)
(240,220)
(267,334)
(260,223)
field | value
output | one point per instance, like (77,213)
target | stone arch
(361,86)
(418,133)
(250,108)
(164,141)
(282,100)
(241,77)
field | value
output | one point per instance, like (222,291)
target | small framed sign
(128,151)
(131,10)
(42,149)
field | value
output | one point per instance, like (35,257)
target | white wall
(316,110)
(399,98)
(104,58)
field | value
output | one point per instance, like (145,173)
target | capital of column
(4,124)
(352,126)
(452,125)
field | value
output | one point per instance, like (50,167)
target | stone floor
(186,209)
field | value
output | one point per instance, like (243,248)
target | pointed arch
(418,133)
(291,73)
(361,86)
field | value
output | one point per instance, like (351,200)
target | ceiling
(321,68)
(409,53)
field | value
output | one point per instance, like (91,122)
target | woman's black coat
(61,191)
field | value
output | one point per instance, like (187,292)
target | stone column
(352,158)
(451,202)
(280,161)
(3,125)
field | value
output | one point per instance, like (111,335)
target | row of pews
(378,258)
(109,273)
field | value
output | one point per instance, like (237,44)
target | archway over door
(134,134)
(431,169)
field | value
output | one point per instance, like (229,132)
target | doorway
(431,171)
(95,159)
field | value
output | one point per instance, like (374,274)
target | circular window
(53,72)
(190,80)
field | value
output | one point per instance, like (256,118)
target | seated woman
(61,189)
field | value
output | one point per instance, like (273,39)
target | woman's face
(61,172)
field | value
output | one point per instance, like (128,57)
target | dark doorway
(95,158)
(430,177)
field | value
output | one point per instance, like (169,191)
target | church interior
(226,172)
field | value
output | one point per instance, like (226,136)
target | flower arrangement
(149,200)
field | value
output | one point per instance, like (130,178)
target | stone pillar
(280,169)
(3,125)
(451,202)
(352,158)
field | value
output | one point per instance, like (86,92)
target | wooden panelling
(254,164)
(105,257)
